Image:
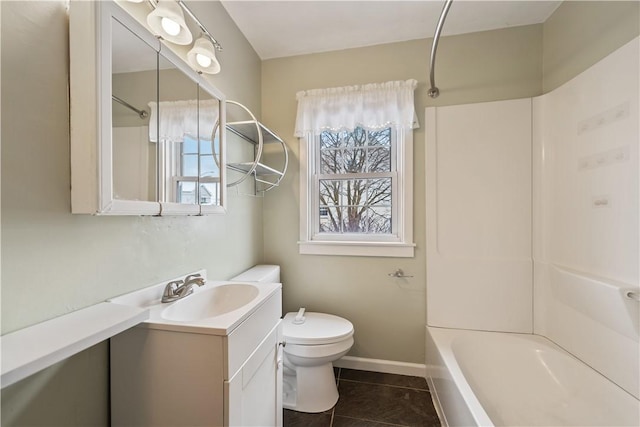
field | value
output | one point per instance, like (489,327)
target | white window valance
(179,118)
(371,106)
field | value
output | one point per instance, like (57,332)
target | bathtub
(492,378)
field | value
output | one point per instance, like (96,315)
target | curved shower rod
(434,91)
(142,113)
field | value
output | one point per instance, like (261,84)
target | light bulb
(203,60)
(202,56)
(170,26)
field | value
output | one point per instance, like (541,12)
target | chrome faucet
(178,289)
(189,282)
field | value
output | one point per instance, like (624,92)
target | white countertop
(36,347)
(224,324)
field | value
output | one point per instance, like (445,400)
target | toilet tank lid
(318,328)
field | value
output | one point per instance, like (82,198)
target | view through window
(355,181)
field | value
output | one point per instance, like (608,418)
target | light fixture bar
(217,45)
(184,7)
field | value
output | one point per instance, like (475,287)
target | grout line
(374,421)
(333,410)
(389,385)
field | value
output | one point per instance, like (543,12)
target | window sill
(396,250)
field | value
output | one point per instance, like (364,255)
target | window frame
(397,244)
(173,160)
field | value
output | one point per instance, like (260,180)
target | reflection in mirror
(177,116)
(209,149)
(186,118)
(134,83)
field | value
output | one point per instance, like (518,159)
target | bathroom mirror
(160,125)
(134,83)
(177,117)
(209,150)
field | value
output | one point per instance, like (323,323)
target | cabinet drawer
(241,342)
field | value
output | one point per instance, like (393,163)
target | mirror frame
(91,115)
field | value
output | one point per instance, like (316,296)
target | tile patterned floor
(373,399)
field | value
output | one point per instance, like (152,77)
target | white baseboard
(385,366)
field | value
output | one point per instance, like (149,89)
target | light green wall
(54,262)
(580,33)
(70,393)
(388,314)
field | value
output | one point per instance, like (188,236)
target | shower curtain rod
(434,91)
(142,113)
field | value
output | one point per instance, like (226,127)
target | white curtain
(371,106)
(179,118)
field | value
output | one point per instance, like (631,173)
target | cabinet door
(253,396)
(165,378)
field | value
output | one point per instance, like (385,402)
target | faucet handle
(170,289)
(175,283)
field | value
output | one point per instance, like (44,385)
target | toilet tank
(260,273)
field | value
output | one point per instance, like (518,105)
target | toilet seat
(317,329)
(318,350)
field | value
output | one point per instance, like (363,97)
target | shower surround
(532,224)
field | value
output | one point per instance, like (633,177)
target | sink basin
(216,308)
(211,302)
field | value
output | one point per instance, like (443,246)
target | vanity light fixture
(202,56)
(167,21)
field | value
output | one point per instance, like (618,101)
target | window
(188,159)
(355,183)
(183,157)
(356,188)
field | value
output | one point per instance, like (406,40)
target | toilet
(312,342)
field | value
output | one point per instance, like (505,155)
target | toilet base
(310,389)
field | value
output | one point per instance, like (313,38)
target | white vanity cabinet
(172,375)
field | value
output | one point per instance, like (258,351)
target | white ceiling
(286,28)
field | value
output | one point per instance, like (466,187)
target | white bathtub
(491,378)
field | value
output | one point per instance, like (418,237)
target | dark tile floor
(373,399)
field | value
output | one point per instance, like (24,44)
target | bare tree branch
(356,205)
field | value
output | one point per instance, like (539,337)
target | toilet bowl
(312,342)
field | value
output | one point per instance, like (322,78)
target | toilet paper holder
(398,274)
